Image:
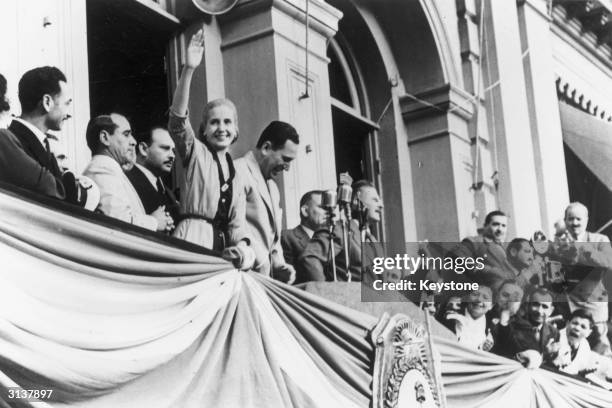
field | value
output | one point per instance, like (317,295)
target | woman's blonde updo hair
(206,112)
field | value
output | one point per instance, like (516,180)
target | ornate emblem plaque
(406,366)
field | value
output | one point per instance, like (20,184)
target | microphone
(329,199)
(345,193)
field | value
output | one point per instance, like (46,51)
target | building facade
(451,107)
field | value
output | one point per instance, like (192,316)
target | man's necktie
(51,161)
(160,186)
(536,334)
(161,191)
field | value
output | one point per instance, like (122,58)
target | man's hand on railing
(241,255)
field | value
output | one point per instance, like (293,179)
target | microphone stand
(363,227)
(332,251)
(345,238)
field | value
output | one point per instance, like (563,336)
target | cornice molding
(574,96)
(439,101)
(569,24)
(323,17)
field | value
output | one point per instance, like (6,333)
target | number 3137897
(17,393)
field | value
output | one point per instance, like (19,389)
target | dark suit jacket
(26,163)
(150,197)
(294,241)
(314,263)
(519,335)
(496,269)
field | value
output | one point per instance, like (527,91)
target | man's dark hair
(277,133)
(360,184)
(306,198)
(509,282)
(94,127)
(540,291)
(504,283)
(492,214)
(516,243)
(4,105)
(147,137)
(36,83)
(2,85)
(583,314)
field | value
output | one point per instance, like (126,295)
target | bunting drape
(108,318)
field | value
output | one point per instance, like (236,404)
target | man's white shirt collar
(582,237)
(307,230)
(39,135)
(150,176)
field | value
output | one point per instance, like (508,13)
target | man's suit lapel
(497,252)
(147,193)
(262,186)
(301,236)
(32,146)
(172,204)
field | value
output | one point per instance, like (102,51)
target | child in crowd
(428,303)
(508,300)
(575,355)
(470,324)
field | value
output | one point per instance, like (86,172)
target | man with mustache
(276,148)
(489,246)
(25,155)
(520,257)
(529,339)
(587,258)
(109,137)
(154,158)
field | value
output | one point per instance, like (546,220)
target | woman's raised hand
(195,50)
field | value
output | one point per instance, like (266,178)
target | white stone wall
(49,32)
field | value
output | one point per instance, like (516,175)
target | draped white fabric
(107,318)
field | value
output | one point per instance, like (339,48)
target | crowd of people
(539,301)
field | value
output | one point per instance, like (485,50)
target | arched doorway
(383,53)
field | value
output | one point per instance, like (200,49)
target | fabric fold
(109,318)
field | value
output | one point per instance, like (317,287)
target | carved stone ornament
(406,366)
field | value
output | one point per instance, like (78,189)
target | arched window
(353,130)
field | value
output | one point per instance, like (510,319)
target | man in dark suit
(154,158)
(516,335)
(25,157)
(312,218)
(315,264)
(490,246)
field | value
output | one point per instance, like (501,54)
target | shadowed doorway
(127,48)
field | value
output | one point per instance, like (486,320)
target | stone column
(484,190)
(264,58)
(508,118)
(438,136)
(542,100)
